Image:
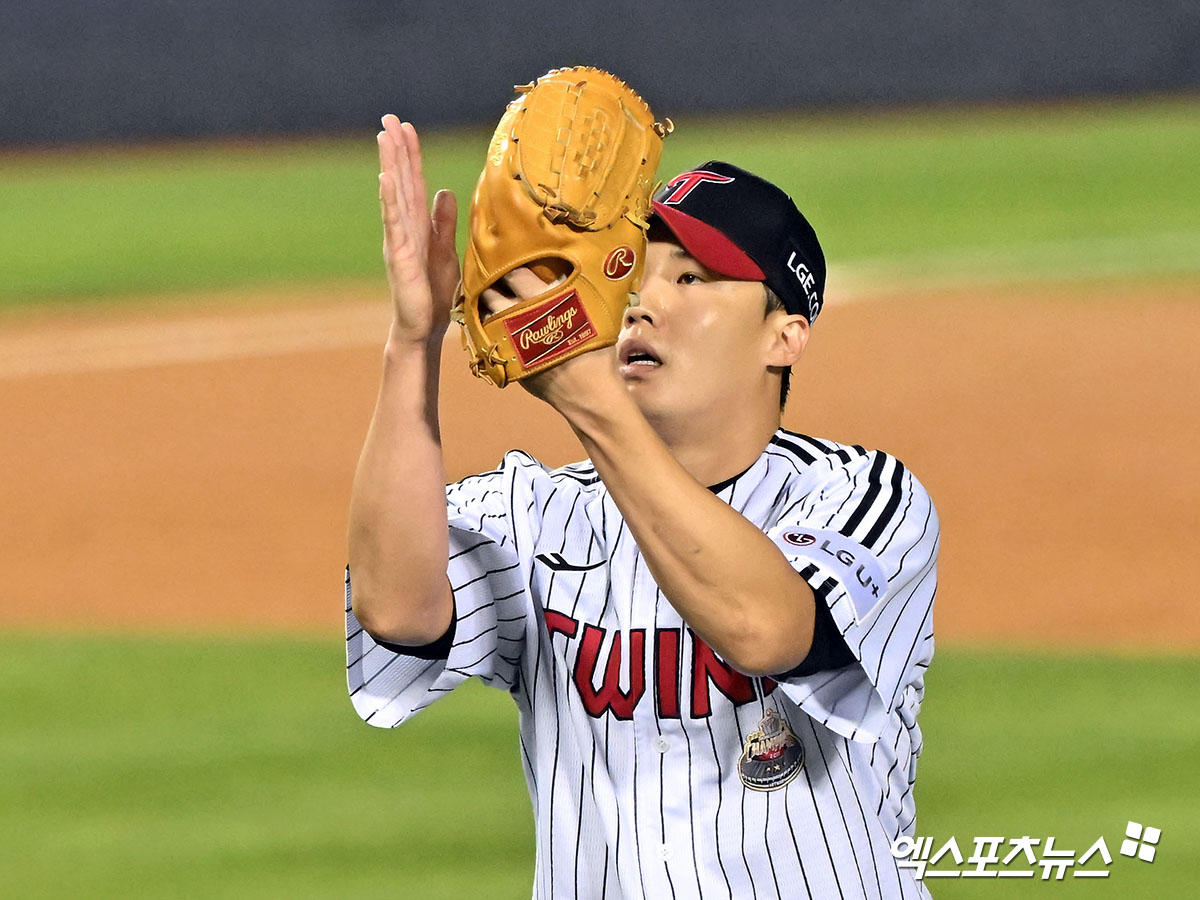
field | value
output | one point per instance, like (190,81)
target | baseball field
(189,351)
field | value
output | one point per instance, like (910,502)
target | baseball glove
(565,191)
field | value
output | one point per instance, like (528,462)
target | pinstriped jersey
(635,735)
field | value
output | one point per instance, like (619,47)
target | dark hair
(775,303)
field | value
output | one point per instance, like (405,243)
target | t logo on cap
(681,185)
(749,230)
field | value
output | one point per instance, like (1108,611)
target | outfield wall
(127,69)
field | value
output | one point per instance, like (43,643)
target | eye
(690,278)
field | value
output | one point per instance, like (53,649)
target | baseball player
(715,631)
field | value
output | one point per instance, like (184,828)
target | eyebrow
(680,252)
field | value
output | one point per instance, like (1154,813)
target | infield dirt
(1056,428)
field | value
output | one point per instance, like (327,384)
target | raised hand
(418,245)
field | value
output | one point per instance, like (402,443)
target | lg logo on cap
(800,270)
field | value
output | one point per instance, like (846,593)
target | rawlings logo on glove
(566,188)
(546,333)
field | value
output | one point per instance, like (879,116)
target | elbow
(407,620)
(370,615)
(369,611)
(762,651)
(759,662)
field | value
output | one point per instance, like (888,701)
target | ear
(789,337)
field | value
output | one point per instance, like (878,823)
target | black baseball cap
(744,227)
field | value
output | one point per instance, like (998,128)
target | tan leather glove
(566,191)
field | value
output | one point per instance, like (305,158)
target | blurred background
(124,70)
(192,308)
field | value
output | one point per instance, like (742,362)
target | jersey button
(664,853)
(661,744)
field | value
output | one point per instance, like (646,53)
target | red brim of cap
(709,246)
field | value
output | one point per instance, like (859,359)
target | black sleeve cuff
(439,649)
(829,650)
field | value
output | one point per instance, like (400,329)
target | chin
(648,400)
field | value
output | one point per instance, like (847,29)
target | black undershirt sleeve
(439,649)
(829,650)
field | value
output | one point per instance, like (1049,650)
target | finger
(381,143)
(395,141)
(445,222)
(389,144)
(444,268)
(524,283)
(387,200)
(387,156)
(404,173)
(492,301)
(391,127)
(394,213)
(397,238)
(416,168)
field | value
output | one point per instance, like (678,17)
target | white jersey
(654,769)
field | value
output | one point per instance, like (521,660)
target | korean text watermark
(1020,857)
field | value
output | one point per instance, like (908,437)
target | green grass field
(236,768)
(901,186)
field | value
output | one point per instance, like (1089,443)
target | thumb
(445,222)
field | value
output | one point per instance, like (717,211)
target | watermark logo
(1140,842)
(1001,857)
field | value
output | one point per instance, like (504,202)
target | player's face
(697,344)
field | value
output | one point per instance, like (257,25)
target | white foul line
(242,335)
(235,336)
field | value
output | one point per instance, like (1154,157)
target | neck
(714,452)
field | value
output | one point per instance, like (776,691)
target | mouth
(638,357)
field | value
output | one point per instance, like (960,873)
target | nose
(637,312)
(645,306)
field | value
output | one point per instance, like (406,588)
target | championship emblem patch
(772,757)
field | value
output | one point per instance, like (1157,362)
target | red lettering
(560,623)
(610,696)
(707,667)
(666,660)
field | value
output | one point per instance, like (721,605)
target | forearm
(398,538)
(727,580)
